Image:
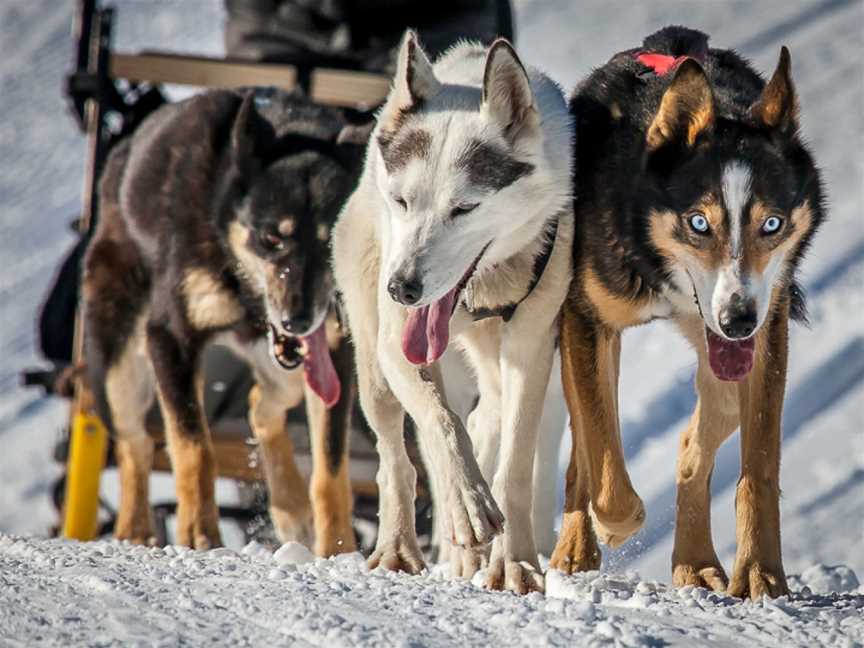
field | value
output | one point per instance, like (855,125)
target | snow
(60,593)
(63,593)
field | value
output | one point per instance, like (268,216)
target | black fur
(169,196)
(617,182)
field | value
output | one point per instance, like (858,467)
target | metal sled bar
(327,86)
(89,438)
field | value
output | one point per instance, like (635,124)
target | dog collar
(540,262)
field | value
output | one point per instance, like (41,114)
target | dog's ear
(507,96)
(414,82)
(686,109)
(244,133)
(777,106)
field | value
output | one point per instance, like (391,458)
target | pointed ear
(244,133)
(777,106)
(686,110)
(507,95)
(414,81)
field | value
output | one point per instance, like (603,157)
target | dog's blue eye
(461,210)
(698,222)
(772,224)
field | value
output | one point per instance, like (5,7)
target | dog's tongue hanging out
(427,330)
(730,360)
(318,367)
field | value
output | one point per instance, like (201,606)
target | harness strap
(540,262)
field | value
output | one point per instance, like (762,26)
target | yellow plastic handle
(87,447)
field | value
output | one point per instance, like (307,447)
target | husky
(215,224)
(460,227)
(696,200)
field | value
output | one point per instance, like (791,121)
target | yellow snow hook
(87,445)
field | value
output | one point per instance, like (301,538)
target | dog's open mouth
(427,329)
(730,360)
(312,351)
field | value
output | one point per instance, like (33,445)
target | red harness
(662,64)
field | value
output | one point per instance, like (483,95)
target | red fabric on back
(662,64)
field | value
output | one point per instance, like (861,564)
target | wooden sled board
(328,86)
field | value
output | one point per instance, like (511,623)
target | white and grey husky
(461,228)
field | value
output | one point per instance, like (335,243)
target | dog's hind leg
(179,387)
(595,349)
(694,560)
(129,390)
(332,501)
(758,566)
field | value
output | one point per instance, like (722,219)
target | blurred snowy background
(42,155)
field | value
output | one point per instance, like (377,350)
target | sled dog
(460,228)
(696,202)
(215,219)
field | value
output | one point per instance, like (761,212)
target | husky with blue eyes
(696,200)
(460,229)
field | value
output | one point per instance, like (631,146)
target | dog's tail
(114,287)
(676,41)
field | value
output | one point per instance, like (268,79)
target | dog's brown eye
(401,202)
(271,241)
(461,210)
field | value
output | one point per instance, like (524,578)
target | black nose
(297,324)
(407,291)
(738,317)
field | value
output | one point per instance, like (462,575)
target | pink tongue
(318,367)
(427,330)
(731,360)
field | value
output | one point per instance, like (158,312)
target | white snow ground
(63,593)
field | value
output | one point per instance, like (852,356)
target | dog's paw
(198,531)
(615,524)
(292,528)
(401,554)
(146,538)
(709,575)
(475,518)
(514,570)
(464,563)
(753,579)
(576,550)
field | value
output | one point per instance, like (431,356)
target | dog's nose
(738,317)
(296,324)
(404,290)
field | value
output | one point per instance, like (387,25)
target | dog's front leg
(473,517)
(526,360)
(597,472)
(179,389)
(332,501)
(758,562)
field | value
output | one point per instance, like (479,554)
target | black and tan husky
(215,219)
(695,201)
